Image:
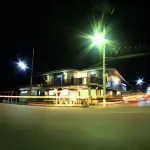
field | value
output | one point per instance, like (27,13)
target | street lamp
(99,40)
(22,65)
(139,81)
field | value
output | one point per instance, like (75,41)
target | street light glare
(139,81)
(22,65)
(98,39)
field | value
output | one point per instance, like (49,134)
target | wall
(84,92)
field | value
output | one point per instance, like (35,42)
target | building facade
(84,83)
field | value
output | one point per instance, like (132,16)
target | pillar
(89,91)
(56,96)
(89,95)
(69,96)
(78,94)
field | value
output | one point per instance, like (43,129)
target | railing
(79,81)
(74,81)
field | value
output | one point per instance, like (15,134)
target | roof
(27,88)
(86,69)
(61,70)
(96,68)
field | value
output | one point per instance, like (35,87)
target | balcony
(73,81)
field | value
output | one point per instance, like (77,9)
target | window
(93,74)
(51,77)
(79,74)
(118,93)
(59,76)
(84,81)
(46,77)
(52,92)
(24,92)
(84,93)
(93,93)
(64,92)
(65,75)
(84,74)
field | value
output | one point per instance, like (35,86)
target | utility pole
(104,69)
(31,74)
(104,76)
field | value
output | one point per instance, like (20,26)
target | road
(41,128)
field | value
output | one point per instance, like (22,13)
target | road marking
(131,112)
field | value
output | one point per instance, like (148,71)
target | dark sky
(53,28)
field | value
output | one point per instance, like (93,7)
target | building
(84,83)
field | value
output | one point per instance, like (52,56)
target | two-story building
(83,83)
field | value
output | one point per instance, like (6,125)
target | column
(89,95)
(56,96)
(69,96)
(78,94)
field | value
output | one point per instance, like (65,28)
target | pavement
(108,105)
(43,128)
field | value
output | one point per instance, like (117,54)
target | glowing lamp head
(98,39)
(139,81)
(22,65)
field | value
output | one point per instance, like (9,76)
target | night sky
(53,28)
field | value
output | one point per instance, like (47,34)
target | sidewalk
(55,105)
(122,105)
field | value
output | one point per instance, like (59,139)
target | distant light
(139,81)
(22,65)
(148,90)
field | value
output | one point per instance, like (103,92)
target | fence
(46,99)
(10,98)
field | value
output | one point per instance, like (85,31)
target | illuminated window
(79,75)
(24,92)
(93,74)
(84,93)
(84,81)
(51,77)
(84,74)
(64,92)
(110,93)
(118,93)
(46,77)
(93,93)
(59,76)
(46,93)
(52,92)
(108,78)
(115,79)
(65,75)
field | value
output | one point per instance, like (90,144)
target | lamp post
(22,65)
(100,41)
(139,81)
(31,74)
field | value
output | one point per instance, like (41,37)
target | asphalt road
(40,128)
